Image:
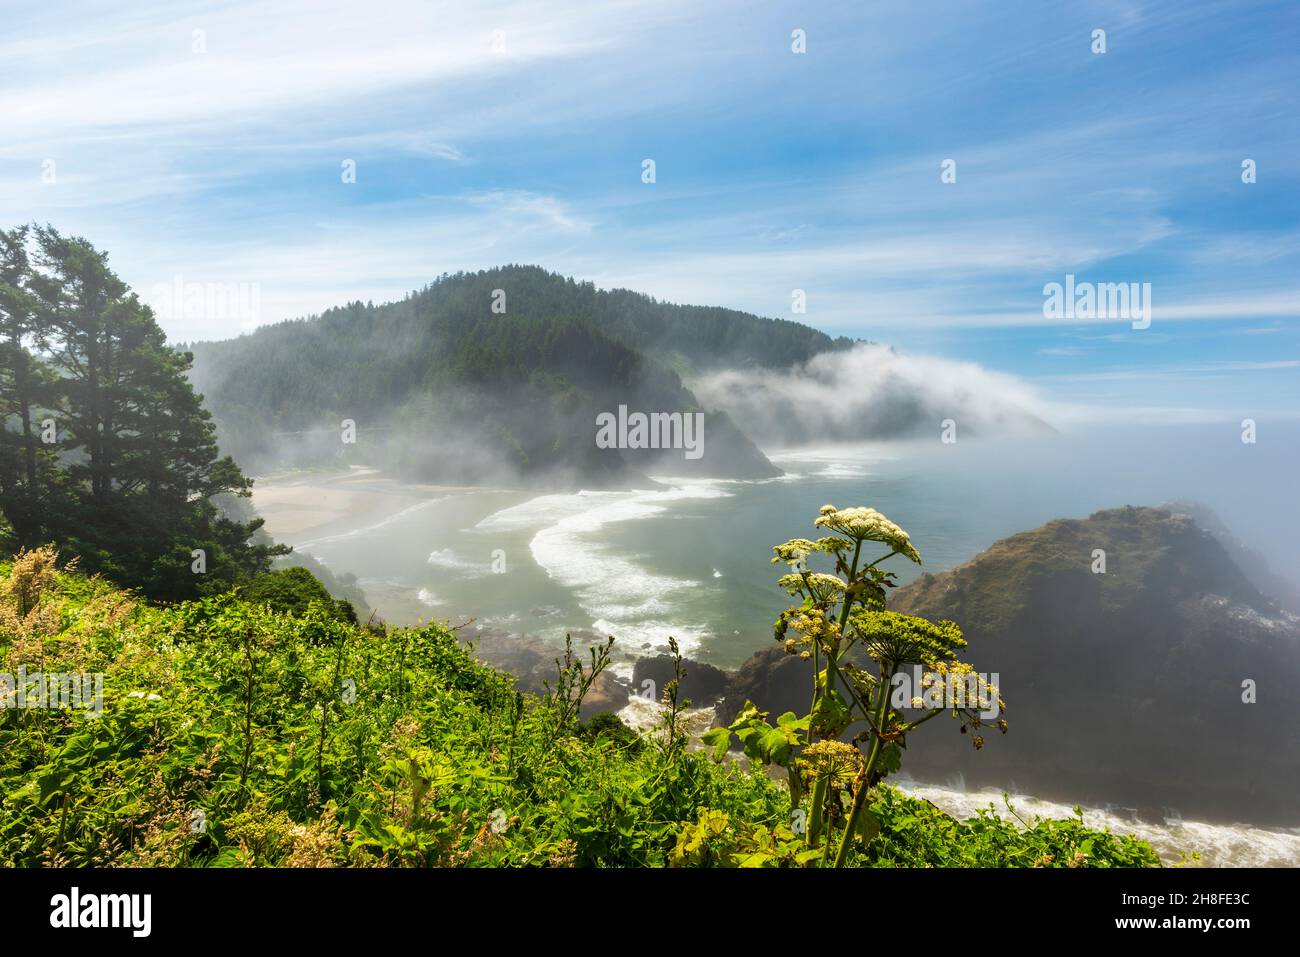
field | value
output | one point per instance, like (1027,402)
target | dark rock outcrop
(702,684)
(1124,687)
(777,682)
(606,693)
(532,663)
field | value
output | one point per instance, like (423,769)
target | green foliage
(608,725)
(713,840)
(840,622)
(761,741)
(292,591)
(233,734)
(105,448)
(902,831)
(303,740)
(913,832)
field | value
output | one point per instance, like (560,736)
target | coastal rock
(772,679)
(1126,687)
(532,663)
(702,684)
(607,693)
(524,656)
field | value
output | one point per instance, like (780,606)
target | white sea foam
(849,453)
(544,510)
(841,470)
(686,482)
(428,598)
(848,461)
(646,715)
(448,560)
(623,599)
(367,529)
(1220,845)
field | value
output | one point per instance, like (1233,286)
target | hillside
(442,387)
(1125,687)
(231,733)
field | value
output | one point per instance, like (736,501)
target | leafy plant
(226,740)
(573,680)
(856,648)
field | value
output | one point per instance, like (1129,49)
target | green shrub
(232,734)
(292,590)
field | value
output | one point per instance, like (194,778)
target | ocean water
(692,560)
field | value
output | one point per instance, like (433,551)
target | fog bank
(871,391)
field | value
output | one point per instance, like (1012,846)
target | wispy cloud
(1210,368)
(512,131)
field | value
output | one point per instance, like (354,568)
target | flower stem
(860,799)
(819,788)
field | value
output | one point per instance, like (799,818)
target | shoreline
(300,506)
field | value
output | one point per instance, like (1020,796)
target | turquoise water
(693,560)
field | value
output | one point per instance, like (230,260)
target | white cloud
(260,60)
(871,391)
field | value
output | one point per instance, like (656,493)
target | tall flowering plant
(856,648)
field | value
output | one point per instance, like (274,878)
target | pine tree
(26,389)
(138,470)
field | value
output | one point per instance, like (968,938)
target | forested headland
(496,375)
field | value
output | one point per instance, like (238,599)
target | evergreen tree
(26,389)
(138,472)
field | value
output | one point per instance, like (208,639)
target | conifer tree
(26,392)
(136,471)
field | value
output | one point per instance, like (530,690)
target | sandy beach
(301,506)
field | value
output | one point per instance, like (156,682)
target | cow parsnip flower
(906,639)
(818,586)
(837,761)
(827,622)
(793,552)
(814,625)
(834,544)
(811,629)
(863,524)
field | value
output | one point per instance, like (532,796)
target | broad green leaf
(719,739)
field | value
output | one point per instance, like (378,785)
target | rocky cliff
(1124,686)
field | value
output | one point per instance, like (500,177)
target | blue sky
(488,133)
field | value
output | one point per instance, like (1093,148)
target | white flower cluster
(821,585)
(866,524)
